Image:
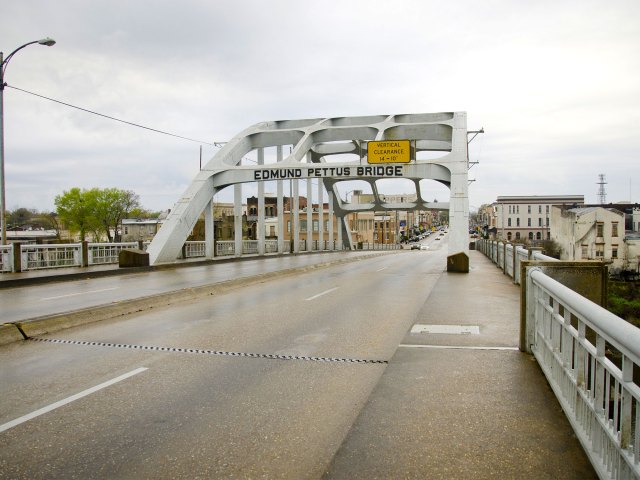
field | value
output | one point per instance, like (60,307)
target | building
(528,218)
(140,229)
(590,233)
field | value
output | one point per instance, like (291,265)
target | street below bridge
(307,375)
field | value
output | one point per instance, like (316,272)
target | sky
(555,85)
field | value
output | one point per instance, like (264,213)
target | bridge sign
(389,151)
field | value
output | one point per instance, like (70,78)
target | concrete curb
(61,321)
(9,333)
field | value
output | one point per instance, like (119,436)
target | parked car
(415,246)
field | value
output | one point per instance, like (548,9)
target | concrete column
(332,244)
(309,215)
(85,253)
(209,233)
(237,218)
(320,215)
(17,257)
(261,234)
(280,206)
(296,218)
(458,259)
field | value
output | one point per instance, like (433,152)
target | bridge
(446,362)
(333,365)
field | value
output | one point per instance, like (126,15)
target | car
(415,246)
(424,246)
(438,238)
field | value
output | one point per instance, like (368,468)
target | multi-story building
(590,233)
(520,218)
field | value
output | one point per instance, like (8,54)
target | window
(614,229)
(509,209)
(599,229)
(585,251)
(548,235)
(528,222)
(599,250)
(303,225)
(547,221)
(517,208)
(288,226)
(547,209)
(539,222)
(509,236)
(614,251)
(530,235)
(518,222)
(528,208)
(326,225)
(316,226)
(508,222)
(126,230)
(517,235)
(539,208)
(538,236)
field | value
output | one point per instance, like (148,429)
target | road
(22,303)
(262,381)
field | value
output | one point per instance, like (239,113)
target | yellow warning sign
(389,151)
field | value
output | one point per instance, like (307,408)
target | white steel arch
(315,140)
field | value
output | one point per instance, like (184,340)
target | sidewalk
(482,410)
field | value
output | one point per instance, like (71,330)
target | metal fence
(105,253)
(589,357)
(44,256)
(37,257)
(573,341)
(6,258)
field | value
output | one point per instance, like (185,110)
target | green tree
(98,210)
(76,208)
(19,217)
(112,205)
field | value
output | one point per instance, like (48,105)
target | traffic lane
(188,417)
(364,319)
(255,326)
(22,303)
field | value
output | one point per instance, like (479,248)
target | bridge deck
(483,410)
(460,405)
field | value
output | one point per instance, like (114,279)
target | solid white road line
(79,293)
(70,399)
(322,293)
(461,347)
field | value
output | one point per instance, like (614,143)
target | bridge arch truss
(313,144)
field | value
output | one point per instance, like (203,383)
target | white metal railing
(225,247)
(105,253)
(36,257)
(271,246)
(599,395)
(194,249)
(6,258)
(43,256)
(504,256)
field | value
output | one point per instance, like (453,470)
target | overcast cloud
(555,84)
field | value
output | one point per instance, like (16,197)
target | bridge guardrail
(598,394)
(571,339)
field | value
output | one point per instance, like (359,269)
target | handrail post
(85,253)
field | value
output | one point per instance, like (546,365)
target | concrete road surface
(259,382)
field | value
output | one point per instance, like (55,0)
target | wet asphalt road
(262,381)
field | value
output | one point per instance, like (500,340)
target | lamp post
(3,67)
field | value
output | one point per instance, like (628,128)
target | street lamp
(3,67)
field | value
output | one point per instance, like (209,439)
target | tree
(76,209)
(99,211)
(112,205)
(20,217)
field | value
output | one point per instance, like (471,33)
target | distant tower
(602,194)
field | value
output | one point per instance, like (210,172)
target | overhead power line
(214,144)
